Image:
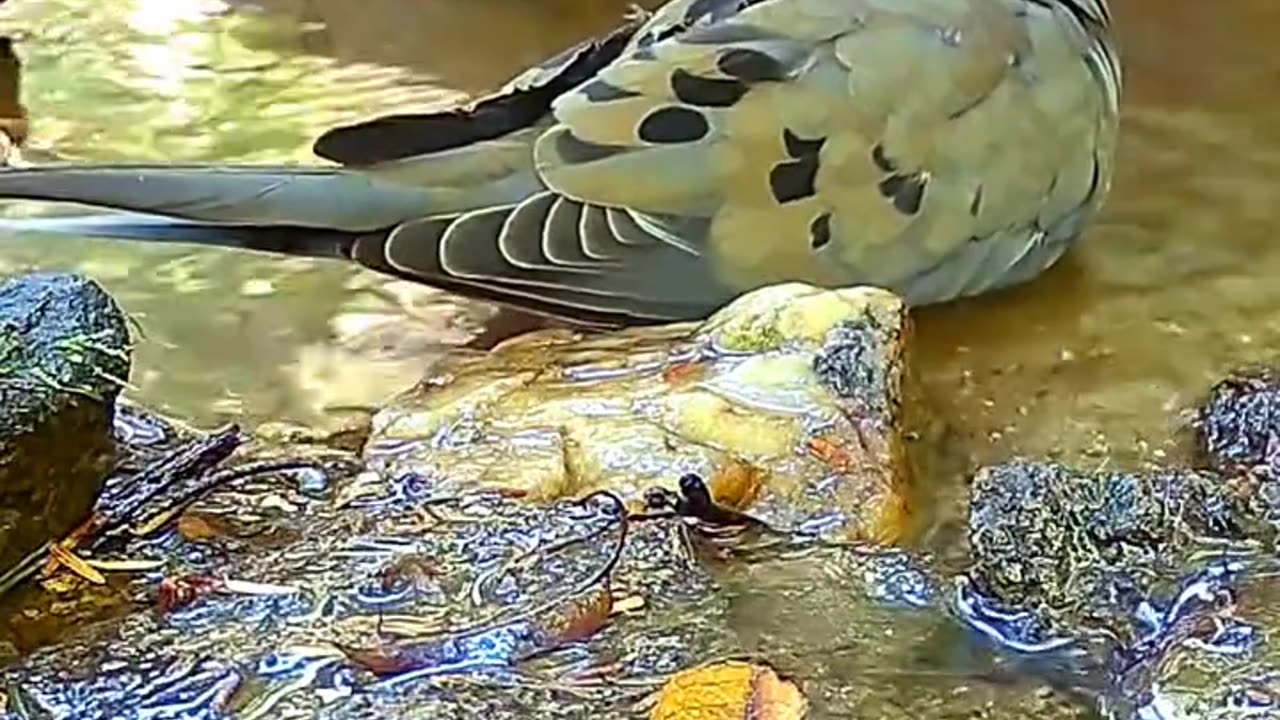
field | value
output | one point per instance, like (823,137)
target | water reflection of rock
(13,114)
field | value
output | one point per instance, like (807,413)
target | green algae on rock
(802,387)
(64,355)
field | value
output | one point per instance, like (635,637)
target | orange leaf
(737,485)
(730,691)
(684,373)
(584,616)
(831,453)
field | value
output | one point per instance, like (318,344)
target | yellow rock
(788,402)
(730,691)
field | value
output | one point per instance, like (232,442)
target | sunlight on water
(1095,360)
(1093,363)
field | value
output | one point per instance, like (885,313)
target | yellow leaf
(737,485)
(125,565)
(76,564)
(729,691)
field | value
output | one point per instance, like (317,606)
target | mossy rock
(64,354)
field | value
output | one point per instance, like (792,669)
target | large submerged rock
(789,400)
(64,354)
(1154,590)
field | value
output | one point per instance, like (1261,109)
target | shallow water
(1093,362)
(231,335)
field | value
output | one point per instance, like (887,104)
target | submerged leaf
(730,691)
(76,564)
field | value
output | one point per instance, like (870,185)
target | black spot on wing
(791,181)
(673,124)
(576,150)
(798,147)
(905,191)
(820,231)
(399,136)
(794,179)
(751,66)
(975,205)
(601,91)
(706,92)
(882,160)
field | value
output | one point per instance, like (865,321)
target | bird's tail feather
(282,239)
(325,198)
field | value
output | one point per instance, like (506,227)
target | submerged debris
(655,523)
(1063,541)
(1238,426)
(140,500)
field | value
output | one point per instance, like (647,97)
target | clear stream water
(1094,363)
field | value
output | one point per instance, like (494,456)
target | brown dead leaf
(684,373)
(583,616)
(201,527)
(830,452)
(730,691)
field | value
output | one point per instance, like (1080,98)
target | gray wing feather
(303,197)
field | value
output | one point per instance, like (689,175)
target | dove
(939,149)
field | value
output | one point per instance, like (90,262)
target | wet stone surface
(420,581)
(64,354)
(561,528)
(393,599)
(789,400)
(1238,427)
(1148,594)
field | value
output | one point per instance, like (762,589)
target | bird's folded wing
(520,104)
(908,132)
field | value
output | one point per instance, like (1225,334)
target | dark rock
(1239,425)
(1069,543)
(64,351)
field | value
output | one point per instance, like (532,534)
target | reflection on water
(231,334)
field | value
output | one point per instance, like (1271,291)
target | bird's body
(938,148)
